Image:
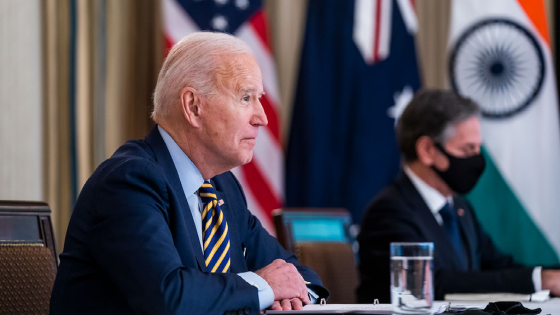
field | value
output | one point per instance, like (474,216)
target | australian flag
(358,72)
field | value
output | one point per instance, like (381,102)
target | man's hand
(287,305)
(551,281)
(285,281)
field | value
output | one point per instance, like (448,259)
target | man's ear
(190,105)
(425,150)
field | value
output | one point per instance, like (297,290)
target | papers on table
(341,309)
(551,306)
(540,296)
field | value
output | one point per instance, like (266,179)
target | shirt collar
(190,176)
(433,198)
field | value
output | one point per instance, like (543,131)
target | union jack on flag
(262,178)
(373,26)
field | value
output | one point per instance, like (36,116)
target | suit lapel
(433,232)
(155,141)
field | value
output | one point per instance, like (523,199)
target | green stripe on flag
(507,222)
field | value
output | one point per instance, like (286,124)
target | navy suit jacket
(132,246)
(399,214)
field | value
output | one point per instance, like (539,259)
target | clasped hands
(290,291)
(551,281)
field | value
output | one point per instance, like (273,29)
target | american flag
(262,178)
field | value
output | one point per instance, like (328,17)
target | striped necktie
(215,235)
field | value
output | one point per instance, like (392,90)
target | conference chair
(28,260)
(321,238)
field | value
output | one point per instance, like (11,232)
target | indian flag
(500,57)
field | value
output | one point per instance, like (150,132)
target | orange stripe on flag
(535,11)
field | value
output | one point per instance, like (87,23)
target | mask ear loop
(440,147)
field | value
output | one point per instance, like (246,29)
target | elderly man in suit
(439,137)
(162,227)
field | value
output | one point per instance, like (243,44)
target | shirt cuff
(537,280)
(313,297)
(266,295)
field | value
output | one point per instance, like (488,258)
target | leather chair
(28,258)
(321,239)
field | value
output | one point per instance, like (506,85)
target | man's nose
(477,149)
(259,116)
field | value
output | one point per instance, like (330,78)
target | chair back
(321,239)
(28,259)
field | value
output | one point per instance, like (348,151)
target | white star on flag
(219,22)
(242,4)
(401,102)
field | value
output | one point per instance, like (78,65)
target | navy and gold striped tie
(215,237)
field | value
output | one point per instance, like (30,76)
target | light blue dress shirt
(191,180)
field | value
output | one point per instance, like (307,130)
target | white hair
(193,62)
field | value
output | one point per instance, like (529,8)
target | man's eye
(246,98)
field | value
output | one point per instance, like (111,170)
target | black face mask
(463,173)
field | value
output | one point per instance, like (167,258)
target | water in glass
(411,283)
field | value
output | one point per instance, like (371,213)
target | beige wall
(21,170)
(431,41)
(287,28)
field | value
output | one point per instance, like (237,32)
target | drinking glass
(411,278)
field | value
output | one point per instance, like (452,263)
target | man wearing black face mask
(439,137)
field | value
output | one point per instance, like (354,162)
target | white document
(540,296)
(340,309)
